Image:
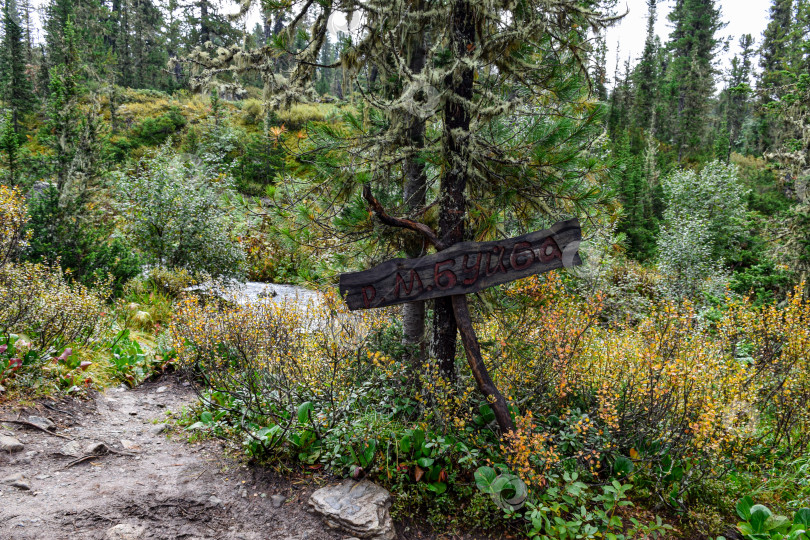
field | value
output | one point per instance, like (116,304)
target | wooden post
(476,361)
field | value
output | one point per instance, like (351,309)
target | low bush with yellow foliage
(668,403)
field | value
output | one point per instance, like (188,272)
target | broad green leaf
(437,487)
(304,411)
(759,515)
(623,466)
(744,507)
(484,477)
(802,517)
(406,444)
(774,523)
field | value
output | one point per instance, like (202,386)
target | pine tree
(690,74)
(738,92)
(645,76)
(775,49)
(511,123)
(10,146)
(61,130)
(599,75)
(15,86)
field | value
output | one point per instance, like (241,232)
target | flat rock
(278,500)
(96,448)
(129,445)
(124,531)
(72,448)
(10,444)
(16,480)
(162,389)
(42,423)
(157,429)
(358,508)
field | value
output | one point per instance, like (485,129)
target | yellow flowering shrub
(37,300)
(272,357)
(668,393)
(13,217)
(774,342)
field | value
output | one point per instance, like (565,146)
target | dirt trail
(169,489)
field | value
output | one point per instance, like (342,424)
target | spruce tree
(10,146)
(690,75)
(645,76)
(775,49)
(61,130)
(738,92)
(15,86)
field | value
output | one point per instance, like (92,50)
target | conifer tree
(645,75)
(61,130)
(738,92)
(775,49)
(15,86)
(10,146)
(690,74)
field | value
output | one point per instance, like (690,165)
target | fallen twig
(51,407)
(104,451)
(29,424)
(82,459)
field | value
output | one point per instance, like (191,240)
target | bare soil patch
(165,488)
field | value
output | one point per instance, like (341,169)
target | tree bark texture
(414,193)
(452,203)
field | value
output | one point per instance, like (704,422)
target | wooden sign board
(463,268)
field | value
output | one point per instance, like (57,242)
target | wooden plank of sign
(463,268)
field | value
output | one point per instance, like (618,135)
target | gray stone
(358,508)
(278,500)
(16,480)
(39,188)
(72,448)
(162,389)
(96,448)
(10,444)
(124,531)
(129,445)
(157,429)
(41,422)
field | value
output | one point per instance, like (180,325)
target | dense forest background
(149,147)
(110,79)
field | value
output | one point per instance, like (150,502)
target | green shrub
(176,216)
(155,131)
(63,232)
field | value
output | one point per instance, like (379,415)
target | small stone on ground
(124,532)
(359,508)
(10,444)
(42,423)
(16,480)
(72,448)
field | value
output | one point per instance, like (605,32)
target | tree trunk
(452,199)
(414,192)
(205,34)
